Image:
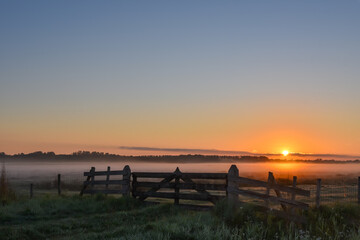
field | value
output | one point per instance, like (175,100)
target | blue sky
(65,62)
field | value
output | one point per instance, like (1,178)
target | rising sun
(285,153)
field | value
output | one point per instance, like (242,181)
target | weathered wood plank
(205,186)
(186,196)
(259,183)
(205,175)
(292,190)
(103,173)
(104,182)
(134,186)
(278,193)
(59,184)
(293,195)
(87,179)
(92,176)
(190,175)
(154,189)
(253,182)
(267,192)
(358,187)
(104,191)
(152,174)
(107,177)
(126,180)
(176,188)
(200,190)
(272,198)
(232,175)
(318,192)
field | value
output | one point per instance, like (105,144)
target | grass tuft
(106,217)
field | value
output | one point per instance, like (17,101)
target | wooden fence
(288,207)
(178,181)
(123,184)
(204,187)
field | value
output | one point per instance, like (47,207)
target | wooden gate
(182,186)
(198,189)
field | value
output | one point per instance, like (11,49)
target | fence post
(107,178)
(31,190)
(59,184)
(126,178)
(86,183)
(293,195)
(271,182)
(267,192)
(134,183)
(232,185)
(318,192)
(92,179)
(177,190)
(358,190)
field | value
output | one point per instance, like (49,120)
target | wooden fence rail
(288,206)
(90,181)
(205,187)
(178,181)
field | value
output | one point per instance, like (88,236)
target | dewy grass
(102,217)
(51,207)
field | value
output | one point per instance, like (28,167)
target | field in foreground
(102,217)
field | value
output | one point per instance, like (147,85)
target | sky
(253,76)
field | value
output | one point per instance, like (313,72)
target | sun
(285,153)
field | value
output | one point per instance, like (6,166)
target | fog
(33,169)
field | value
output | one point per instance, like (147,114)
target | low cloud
(325,156)
(187,150)
(226,152)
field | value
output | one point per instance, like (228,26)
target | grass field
(101,217)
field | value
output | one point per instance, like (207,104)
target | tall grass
(103,217)
(338,221)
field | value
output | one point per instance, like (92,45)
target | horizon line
(234,152)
